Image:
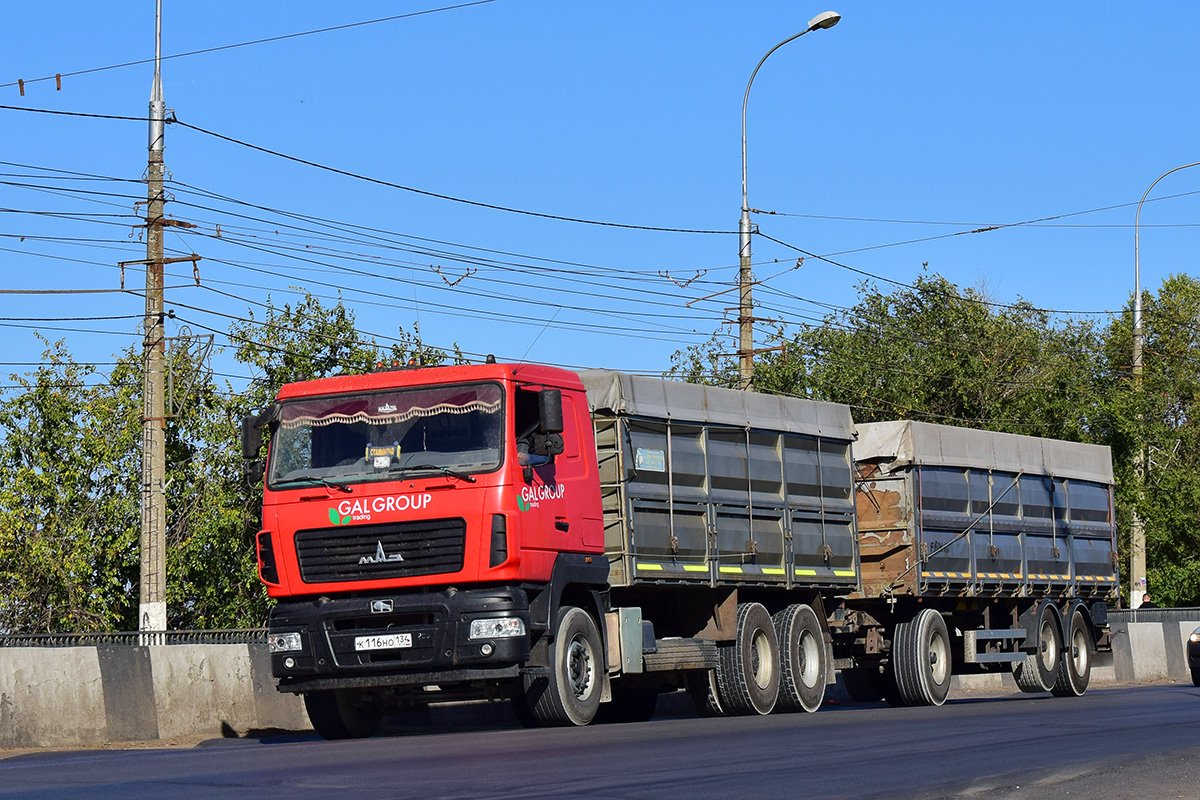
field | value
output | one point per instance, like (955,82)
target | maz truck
(580,543)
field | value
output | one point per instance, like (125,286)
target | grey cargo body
(989,513)
(709,486)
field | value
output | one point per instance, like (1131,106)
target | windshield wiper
(341,487)
(445,470)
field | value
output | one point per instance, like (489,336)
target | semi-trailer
(580,543)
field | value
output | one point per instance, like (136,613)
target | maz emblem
(380,557)
(381,606)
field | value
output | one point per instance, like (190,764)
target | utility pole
(152,606)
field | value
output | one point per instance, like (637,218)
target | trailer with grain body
(980,552)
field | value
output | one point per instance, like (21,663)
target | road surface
(1115,742)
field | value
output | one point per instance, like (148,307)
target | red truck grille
(374,552)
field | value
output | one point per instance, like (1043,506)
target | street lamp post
(1137,533)
(826,19)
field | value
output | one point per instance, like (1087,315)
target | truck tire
(1075,666)
(628,705)
(921,659)
(1195,676)
(748,669)
(802,662)
(1039,671)
(570,694)
(343,713)
(702,688)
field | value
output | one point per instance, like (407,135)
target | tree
(69,490)
(70,476)
(1161,417)
(932,352)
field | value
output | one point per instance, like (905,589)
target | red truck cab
(421,526)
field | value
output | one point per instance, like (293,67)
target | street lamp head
(826,19)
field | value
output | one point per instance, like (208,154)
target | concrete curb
(85,696)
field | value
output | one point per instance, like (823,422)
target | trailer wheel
(748,669)
(802,659)
(628,705)
(570,694)
(1037,673)
(1075,666)
(702,688)
(921,659)
(343,713)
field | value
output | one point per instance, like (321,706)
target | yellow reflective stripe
(844,573)
(772,571)
(806,572)
(923,574)
(650,567)
(695,568)
(737,570)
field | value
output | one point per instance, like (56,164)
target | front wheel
(570,693)
(343,713)
(921,659)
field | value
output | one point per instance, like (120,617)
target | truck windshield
(377,436)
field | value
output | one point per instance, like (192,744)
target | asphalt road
(1125,742)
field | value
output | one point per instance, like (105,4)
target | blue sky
(906,121)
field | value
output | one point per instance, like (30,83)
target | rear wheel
(343,713)
(748,669)
(921,659)
(802,664)
(570,693)
(1075,666)
(1039,670)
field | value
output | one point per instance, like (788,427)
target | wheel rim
(1079,651)
(939,658)
(1049,646)
(810,659)
(579,666)
(761,660)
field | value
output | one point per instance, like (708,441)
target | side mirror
(253,471)
(252,438)
(550,413)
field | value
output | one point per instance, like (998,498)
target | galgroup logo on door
(349,511)
(532,496)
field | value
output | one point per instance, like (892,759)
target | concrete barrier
(80,696)
(73,696)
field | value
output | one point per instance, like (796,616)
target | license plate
(391,641)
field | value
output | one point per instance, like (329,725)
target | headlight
(497,628)
(1195,637)
(284,642)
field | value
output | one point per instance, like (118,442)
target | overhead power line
(58,77)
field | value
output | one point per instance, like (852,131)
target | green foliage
(1163,415)
(70,477)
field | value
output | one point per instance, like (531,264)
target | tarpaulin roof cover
(897,444)
(634,395)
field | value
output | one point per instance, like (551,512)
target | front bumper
(437,624)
